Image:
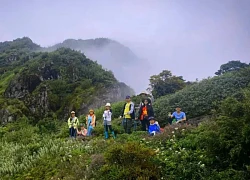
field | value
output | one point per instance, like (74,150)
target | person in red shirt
(146,110)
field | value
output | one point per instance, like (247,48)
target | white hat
(108,105)
(72,112)
(143,92)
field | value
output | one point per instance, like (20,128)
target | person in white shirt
(107,116)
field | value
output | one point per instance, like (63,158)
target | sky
(191,38)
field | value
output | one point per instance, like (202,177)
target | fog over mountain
(114,56)
(191,38)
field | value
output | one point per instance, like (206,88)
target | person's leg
(106,134)
(70,132)
(143,125)
(125,125)
(170,120)
(112,131)
(136,123)
(147,123)
(89,131)
(129,125)
(110,128)
(74,133)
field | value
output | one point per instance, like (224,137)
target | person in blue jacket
(154,127)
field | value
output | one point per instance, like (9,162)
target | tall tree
(231,66)
(165,83)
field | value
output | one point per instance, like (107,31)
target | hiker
(178,115)
(144,96)
(83,131)
(90,121)
(154,127)
(73,123)
(128,114)
(146,111)
(107,121)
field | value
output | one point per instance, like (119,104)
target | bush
(97,161)
(48,125)
(116,110)
(199,99)
(22,134)
(217,149)
(49,157)
(130,161)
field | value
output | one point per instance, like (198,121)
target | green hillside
(205,97)
(111,55)
(217,149)
(41,84)
(38,89)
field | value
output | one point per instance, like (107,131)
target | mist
(127,67)
(191,38)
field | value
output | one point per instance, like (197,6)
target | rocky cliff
(41,84)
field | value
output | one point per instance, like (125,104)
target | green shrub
(64,131)
(199,99)
(97,161)
(116,110)
(24,135)
(48,125)
(44,162)
(217,149)
(129,161)
(116,126)
(3,130)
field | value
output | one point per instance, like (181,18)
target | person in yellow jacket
(128,115)
(73,123)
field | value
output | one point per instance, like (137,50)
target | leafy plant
(199,99)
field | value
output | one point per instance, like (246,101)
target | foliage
(129,161)
(231,66)
(15,53)
(4,81)
(72,81)
(165,83)
(116,110)
(199,99)
(217,149)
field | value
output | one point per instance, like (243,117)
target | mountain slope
(205,97)
(127,67)
(42,84)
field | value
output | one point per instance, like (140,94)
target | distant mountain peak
(19,43)
(112,55)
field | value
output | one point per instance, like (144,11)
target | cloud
(189,37)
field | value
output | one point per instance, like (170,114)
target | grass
(5,80)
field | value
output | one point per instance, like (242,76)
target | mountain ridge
(112,55)
(50,84)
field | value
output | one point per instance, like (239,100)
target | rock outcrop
(21,86)
(53,89)
(36,85)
